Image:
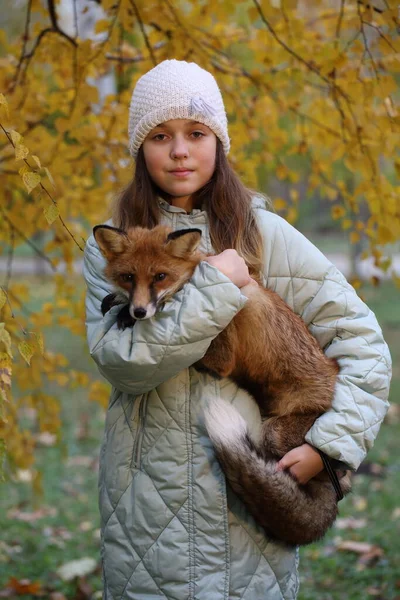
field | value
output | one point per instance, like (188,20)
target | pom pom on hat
(176,90)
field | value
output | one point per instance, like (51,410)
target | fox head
(147,266)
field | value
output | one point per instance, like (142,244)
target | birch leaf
(26,351)
(31,180)
(51,213)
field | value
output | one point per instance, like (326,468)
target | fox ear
(110,240)
(183,242)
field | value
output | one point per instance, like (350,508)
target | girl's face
(180,156)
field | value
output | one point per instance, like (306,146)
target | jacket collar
(164,205)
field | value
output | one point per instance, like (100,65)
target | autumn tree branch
(46,192)
(25,40)
(145,37)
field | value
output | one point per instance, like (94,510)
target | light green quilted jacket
(171,528)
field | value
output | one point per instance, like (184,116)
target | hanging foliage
(310,84)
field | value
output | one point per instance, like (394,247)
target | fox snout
(142,312)
(139,313)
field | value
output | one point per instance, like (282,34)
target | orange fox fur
(267,350)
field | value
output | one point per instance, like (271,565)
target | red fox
(267,350)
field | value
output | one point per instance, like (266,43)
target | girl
(171,528)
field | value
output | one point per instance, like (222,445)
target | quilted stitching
(178,420)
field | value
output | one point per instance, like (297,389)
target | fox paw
(124,318)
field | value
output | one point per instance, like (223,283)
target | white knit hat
(176,89)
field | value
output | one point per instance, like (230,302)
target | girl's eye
(198,134)
(159,137)
(160,276)
(127,277)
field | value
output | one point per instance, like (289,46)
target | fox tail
(291,513)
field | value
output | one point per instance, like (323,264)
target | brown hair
(225,198)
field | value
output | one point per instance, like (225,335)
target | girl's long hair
(226,200)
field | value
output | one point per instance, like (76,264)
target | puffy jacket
(171,527)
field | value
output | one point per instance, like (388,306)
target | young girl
(171,527)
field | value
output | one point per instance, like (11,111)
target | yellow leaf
(280,204)
(31,180)
(24,169)
(292,214)
(347,223)
(39,341)
(281,172)
(21,152)
(51,213)
(62,124)
(37,161)
(337,211)
(16,137)
(4,104)
(354,237)
(26,351)
(3,298)
(5,338)
(386,235)
(101,26)
(5,379)
(49,176)
(100,393)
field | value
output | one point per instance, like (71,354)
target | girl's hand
(232,265)
(303,462)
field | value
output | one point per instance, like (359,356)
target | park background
(312,95)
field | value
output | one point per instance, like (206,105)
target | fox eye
(160,276)
(127,277)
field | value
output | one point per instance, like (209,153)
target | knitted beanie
(176,90)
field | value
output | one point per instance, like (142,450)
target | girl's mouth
(181,173)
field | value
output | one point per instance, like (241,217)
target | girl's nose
(179,149)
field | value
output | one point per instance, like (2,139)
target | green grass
(35,550)
(329,574)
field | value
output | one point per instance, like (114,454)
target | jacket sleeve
(140,358)
(347,330)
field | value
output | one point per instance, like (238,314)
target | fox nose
(139,313)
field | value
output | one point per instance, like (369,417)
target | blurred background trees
(312,95)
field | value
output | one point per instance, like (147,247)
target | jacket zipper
(137,446)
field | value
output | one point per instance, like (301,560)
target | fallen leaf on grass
(29,517)
(76,568)
(368,552)
(85,526)
(83,591)
(57,536)
(21,587)
(374,591)
(350,523)
(7,550)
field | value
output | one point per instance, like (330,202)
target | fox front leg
(219,358)
(124,318)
